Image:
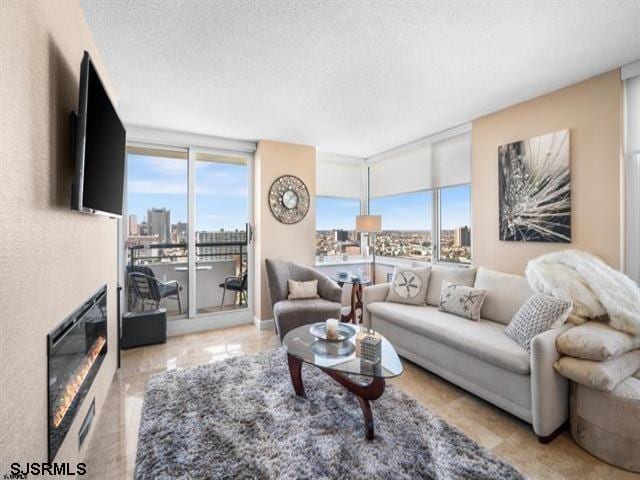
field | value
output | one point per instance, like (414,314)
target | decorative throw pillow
(539,314)
(461,300)
(596,341)
(604,376)
(409,285)
(302,290)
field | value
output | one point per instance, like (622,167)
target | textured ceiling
(351,77)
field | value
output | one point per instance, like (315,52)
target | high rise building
(462,237)
(133,225)
(220,252)
(341,235)
(159,223)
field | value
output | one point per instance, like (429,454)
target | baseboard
(210,322)
(267,324)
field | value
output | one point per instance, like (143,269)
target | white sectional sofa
(477,355)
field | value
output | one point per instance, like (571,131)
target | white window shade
(339,178)
(425,166)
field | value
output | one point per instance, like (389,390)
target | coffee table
(302,347)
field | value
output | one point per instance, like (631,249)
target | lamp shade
(369,223)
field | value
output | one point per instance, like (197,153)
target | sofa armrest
(371,294)
(549,389)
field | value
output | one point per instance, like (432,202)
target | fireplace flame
(73,386)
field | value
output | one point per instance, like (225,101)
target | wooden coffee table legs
(364,392)
(295,370)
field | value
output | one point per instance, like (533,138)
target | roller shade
(339,178)
(426,166)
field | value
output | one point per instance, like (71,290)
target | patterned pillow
(461,300)
(537,315)
(409,285)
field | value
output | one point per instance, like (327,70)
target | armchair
(290,314)
(147,288)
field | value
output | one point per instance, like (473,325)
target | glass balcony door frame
(194,321)
(242,312)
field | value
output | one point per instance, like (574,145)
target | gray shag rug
(239,418)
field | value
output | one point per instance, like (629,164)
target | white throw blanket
(595,288)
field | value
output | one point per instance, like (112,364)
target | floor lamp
(370,224)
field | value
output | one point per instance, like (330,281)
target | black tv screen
(100,148)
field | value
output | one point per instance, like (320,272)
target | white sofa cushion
(596,341)
(439,274)
(481,339)
(459,300)
(506,293)
(409,285)
(602,376)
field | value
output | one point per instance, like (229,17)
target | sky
(222,198)
(221,191)
(410,211)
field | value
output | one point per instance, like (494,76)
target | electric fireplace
(75,351)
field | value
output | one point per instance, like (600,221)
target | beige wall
(272,238)
(51,259)
(592,110)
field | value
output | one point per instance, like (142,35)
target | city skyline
(222,198)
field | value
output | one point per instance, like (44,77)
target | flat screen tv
(99,150)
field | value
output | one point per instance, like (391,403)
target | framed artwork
(534,183)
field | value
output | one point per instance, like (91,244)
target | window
(407,225)
(455,224)
(335,227)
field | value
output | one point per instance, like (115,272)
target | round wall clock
(289,199)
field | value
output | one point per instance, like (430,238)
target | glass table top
(340,356)
(350,279)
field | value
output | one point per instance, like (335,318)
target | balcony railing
(215,261)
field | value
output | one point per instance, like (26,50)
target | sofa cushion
(596,341)
(459,300)
(409,285)
(482,339)
(602,376)
(506,293)
(538,314)
(439,274)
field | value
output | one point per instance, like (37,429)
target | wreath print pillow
(409,285)
(462,301)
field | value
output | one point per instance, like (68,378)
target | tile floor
(112,451)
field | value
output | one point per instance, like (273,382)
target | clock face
(289,199)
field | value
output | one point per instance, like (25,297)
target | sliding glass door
(157,242)
(187,225)
(221,231)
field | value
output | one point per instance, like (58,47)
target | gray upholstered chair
(289,314)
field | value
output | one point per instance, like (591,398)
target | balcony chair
(290,314)
(147,288)
(237,284)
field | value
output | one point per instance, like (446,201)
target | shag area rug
(240,418)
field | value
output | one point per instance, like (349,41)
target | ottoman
(607,424)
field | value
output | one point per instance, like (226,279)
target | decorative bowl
(332,349)
(345,332)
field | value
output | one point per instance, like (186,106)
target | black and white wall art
(535,189)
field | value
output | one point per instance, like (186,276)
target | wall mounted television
(99,148)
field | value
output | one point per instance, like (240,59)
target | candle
(332,328)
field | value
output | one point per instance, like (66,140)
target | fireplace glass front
(75,349)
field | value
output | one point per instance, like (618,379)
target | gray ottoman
(607,424)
